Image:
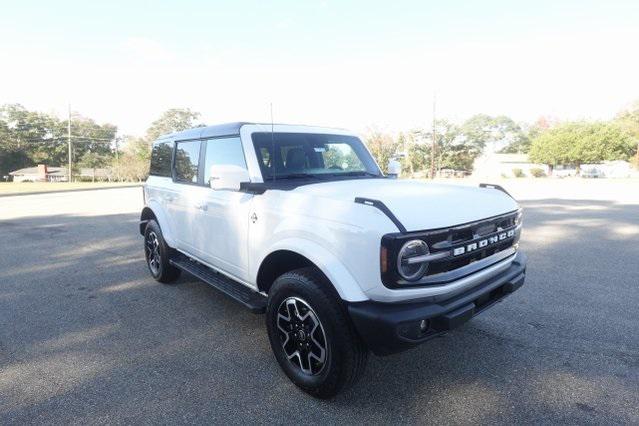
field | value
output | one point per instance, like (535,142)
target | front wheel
(311,334)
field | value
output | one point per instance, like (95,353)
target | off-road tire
(346,354)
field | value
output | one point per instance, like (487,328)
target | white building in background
(41,173)
(493,165)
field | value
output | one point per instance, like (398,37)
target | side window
(161,159)
(223,151)
(187,156)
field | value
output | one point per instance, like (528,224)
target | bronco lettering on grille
(478,244)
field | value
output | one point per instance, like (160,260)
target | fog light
(423,325)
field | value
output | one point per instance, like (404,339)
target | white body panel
(325,231)
(234,232)
(159,193)
(420,205)
(219,227)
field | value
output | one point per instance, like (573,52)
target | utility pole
(434,141)
(117,160)
(69,138)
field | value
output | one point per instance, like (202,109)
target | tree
(418,150)
(130,166)
(540,125)
(11,156)
(134,162)
(604,142)
(578,143)
(29,137)
(172,120)
(481,129)
(454,149)
(629,121)
(139,148)
(382,146)
(93,160)
(89,136)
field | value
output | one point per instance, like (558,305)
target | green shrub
(537,172)
(518,173)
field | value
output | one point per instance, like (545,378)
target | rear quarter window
(161,154)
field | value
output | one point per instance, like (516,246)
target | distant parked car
(592,172)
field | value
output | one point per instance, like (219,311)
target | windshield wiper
(356,173)
(295,176)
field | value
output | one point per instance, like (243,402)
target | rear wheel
(157,254)
(311,334)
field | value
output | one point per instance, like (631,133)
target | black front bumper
(388,328)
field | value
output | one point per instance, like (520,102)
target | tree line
(456,145)
(28,138)
(546,141)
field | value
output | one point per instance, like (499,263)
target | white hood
(420,205)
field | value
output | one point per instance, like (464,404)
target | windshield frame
(262,143)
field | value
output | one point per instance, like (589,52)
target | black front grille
(465,244)
(465,236)
(451,264)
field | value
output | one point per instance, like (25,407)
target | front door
(221,237)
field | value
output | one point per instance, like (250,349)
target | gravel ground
(86,336)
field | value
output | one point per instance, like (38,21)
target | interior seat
(295,160)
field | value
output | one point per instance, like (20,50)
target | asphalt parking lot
(86,336)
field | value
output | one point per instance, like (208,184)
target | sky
(351,64)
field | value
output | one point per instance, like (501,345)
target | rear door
(159,187)
(183,205)
(223,217)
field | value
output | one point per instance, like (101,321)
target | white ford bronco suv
(299,223)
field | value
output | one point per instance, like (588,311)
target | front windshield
(289,155)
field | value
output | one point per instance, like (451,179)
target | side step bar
(253,300)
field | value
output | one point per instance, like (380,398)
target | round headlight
(412,271)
